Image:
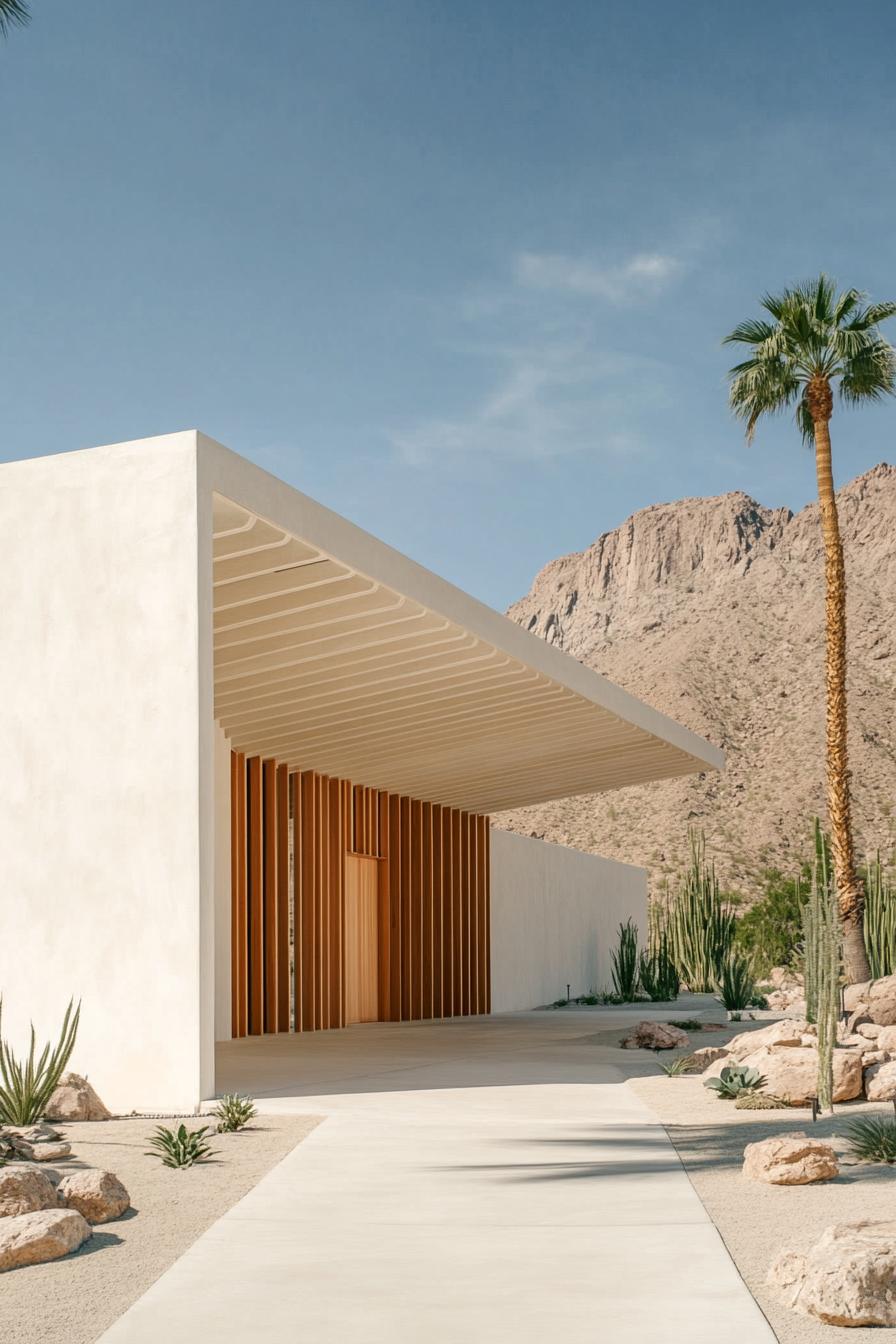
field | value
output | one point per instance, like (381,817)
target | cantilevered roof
(334,653)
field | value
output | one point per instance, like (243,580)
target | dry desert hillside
(712,610)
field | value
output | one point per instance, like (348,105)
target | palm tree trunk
(850,892)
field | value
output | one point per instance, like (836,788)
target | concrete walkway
(486,1180)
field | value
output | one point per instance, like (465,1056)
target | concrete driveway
(487,1179)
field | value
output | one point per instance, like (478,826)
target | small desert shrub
(760,1101)
(678,1066)
(625,962)
(233,1112)
(27,1085)
(589,999)
(771,930)
(737,985)
(872,1138)
(181,1147)
(687,1024)
(735,1079)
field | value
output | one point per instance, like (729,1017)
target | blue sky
(457,268)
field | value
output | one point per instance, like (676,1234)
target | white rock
(788,1032)
(39,1133)
(24,1190)
(870,1030)
(99,1196)
(43,1152)
(870,1057)
(792,1073)
(880,1081)
(32,1238)
(75,1099)
(874,999)
(886,1038)
(846,1279)
(790,1159)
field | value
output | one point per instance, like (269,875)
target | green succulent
(233,1112)
(872,1138)
(26,1085)
(735,1079)
(678,1066)
(181,1147)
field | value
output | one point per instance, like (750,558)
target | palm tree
(818,340)
(13,12)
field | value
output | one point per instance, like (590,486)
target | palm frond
(13,13)
(846,304)
(869,375)
(816,333)
(761,387)
(751,332)
(873,315)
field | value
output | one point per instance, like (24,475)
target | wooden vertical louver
(291,832)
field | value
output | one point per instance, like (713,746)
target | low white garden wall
(555,913)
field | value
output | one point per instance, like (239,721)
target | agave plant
(872,1138)
(736,984)
(676,1067)
(735,1079)
(625,962)
(181,1147)
(27,1085)
(234,1112)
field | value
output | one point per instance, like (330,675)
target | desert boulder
(655,1036)
(790,1159)
(32,1238)
(846,1278)
(99,1196)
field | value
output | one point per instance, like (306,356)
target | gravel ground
(72,1301)
(755,1220)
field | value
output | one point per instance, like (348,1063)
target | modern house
(251,755)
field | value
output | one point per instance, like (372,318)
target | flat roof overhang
(335,653)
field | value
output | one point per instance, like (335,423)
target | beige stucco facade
(115,835)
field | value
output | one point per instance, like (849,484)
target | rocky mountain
(713,611)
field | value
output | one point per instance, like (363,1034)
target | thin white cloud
(556,389)
(550,401)
(638,277)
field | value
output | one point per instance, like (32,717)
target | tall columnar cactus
(822,943)
(701,929)
(880,920)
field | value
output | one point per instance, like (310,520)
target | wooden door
(361,939)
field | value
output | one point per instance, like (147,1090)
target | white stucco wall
(555,913)
(105,727)
(222,885)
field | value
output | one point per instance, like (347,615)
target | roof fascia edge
(224,472)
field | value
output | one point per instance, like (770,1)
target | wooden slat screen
(290,834)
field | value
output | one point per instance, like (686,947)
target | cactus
(625,962)
(821,932)
(880,920)
(700,928)
(659,976)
